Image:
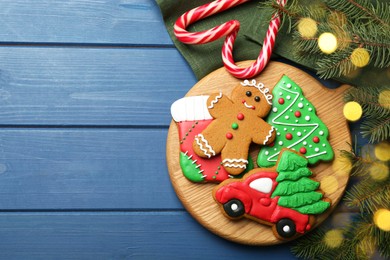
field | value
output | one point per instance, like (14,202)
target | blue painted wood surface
(85,91)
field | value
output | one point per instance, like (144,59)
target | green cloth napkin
(254,21)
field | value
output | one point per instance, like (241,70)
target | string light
(379,171)
(382,151)
(307,27)
(327,42)
(384,99)
(352,111)
(382,219)
(333,238)
(342,166)
(360,57)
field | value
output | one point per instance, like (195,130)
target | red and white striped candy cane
(230,30)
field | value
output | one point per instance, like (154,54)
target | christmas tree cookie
(297,126)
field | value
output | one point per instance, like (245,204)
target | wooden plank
(119,235)
(102,22)
(90,86)
(84,169)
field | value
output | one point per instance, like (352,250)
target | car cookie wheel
(234,208)
(286,228)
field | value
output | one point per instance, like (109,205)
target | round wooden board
(197,197)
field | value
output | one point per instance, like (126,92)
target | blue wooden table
(85,92)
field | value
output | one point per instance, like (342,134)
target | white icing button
(286,229)
(307,118)
(285,129)
(321,132)
(275,149)
(296,121)
(323,145)
(288,97)
(310,109)
(287,117)
(301,99)
(266,153)
(280,143)
(293,129)
(310,146)
(278,133)
(280,93)
(304,143)
(275,109)
(300,105)
(299,134)
(234,206)
(288,85)
(317,149)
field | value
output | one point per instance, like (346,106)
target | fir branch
(363,10)
(382,240)
(368,195)
(368,99)
(377,129)
(375,39)
(338,64)
(359,165)
(310,246)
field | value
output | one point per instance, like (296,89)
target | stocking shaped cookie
(237,123)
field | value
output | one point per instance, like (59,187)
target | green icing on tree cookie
(297,126)
(295,175)
(190,169)
(315,208)
(304,184)
(300,199)
(290,161)
(295,189)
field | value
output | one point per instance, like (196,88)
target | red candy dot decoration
(302,150)
(289,136)
(281,101)
(297,114)
(229,135)
(240,116)
(316,139)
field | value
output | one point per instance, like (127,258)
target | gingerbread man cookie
(237,123)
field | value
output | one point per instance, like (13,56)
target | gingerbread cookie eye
(257,99)
(248,93)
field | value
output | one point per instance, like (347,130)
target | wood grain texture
(82,22)
(197,198)
(90,86)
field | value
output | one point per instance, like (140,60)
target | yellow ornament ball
(384,99)
(333,238)
(352,111)
(327,42)
(360,57)
(382,219)
(382,151)
(307,27)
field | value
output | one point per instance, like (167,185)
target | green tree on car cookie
(297,126)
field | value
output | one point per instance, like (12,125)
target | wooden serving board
(197,197)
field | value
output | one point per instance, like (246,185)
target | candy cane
(230,30)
